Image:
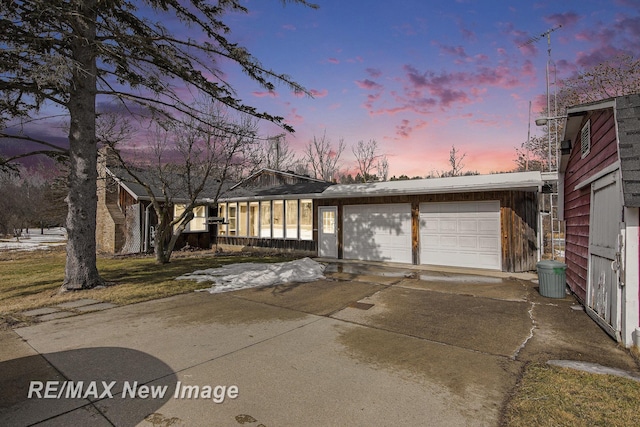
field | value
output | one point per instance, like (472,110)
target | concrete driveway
(370,345)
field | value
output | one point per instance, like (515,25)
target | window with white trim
(291,214)
(233,211)
(199,222)
(306,219)
(585,139)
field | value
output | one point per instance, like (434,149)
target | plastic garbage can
(552,278)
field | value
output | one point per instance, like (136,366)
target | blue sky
(418,76)
(421,76)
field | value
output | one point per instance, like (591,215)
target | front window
(306,219)
(233,211)
(243,219)
(222,213)
(292,219)
(278,219)
(254,219)
(265,219)
(199,221)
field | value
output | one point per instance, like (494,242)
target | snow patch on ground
(234,277)
(34,240)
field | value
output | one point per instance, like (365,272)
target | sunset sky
(420,76)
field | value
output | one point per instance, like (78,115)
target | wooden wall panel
(577,203)
(518,218)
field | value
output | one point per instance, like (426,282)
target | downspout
(146,228)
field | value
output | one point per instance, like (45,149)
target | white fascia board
(530,181)
(123,185)
(269,197)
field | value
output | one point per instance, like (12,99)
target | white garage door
(461,234)
(377,232)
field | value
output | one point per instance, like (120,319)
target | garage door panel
(468,242)
(377,232)
(488,226)
(464,234)
(489,243)
(448,241)
(468,226)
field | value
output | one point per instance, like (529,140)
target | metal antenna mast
(532,40)
(552,217)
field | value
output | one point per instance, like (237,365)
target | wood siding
(292,245)
(518,218)
(577,202)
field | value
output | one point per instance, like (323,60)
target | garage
(377,232)
(477,221)
(461,234)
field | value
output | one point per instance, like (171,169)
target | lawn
(31,280)
(545,395)
(552,396)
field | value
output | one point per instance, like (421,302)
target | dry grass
(553,396)
(32,280)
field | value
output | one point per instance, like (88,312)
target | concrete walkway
(370,345)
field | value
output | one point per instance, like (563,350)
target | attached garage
(377,232)
(461,234)
(481,221)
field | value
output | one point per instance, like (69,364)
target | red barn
(600,174)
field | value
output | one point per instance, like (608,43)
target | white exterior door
(603,292)
(461,234)
(378,232)
(328,232)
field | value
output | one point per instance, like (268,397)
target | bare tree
(323,158)
(619,75)
(67,53)
(366,154)
(274,153)
(455,161)
(189,158)
(383,168)
(533,155)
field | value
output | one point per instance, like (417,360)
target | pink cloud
(565,19)
(368,84)
(270,93)
(374,72)
(289,27)
(629,25)
(403,130)
(319,93)
(333,61)
(293,118)
(468,34)
(457,51)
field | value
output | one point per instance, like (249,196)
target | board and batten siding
(518,220)
(577,202)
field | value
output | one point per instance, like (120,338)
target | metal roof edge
(531,181)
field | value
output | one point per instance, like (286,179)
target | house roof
(177,191)
(627,116)
(269,184)
(527,181)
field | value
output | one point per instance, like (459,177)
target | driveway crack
(531,331)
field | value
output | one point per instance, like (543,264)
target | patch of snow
(234,277)
(34,240)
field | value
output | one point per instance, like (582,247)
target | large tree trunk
(81,271)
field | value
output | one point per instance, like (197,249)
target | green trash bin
(552,279)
